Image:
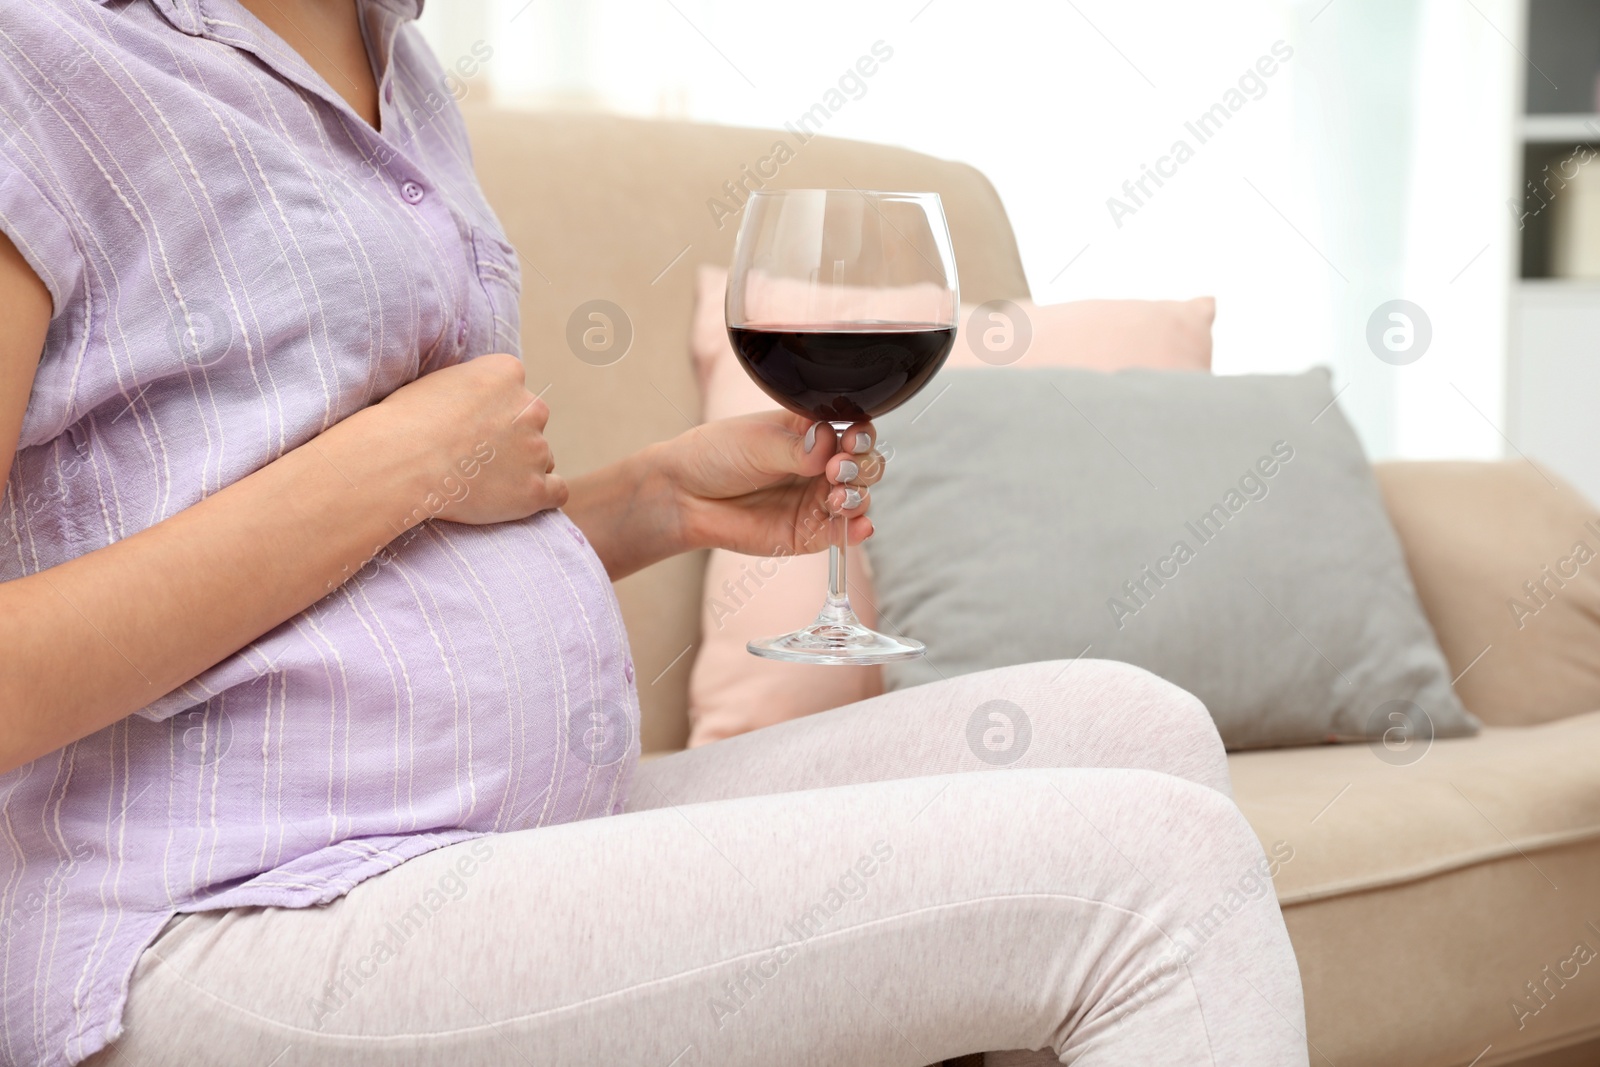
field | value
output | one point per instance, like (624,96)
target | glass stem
(838,606)
(838,587)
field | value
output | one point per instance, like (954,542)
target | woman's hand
(764,485)
(482,434)
(767,484)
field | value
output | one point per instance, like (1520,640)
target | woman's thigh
(897,922)
(1062,713)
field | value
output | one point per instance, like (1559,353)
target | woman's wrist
(387,461)
(395,475)
(664,497)
(632,511)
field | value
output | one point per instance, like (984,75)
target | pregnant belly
(472,678)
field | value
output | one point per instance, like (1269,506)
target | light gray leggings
(839,890)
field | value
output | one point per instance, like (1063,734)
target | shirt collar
(186,14)
(230,23)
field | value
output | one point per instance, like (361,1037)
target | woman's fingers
(859,530)
(859,438)
(539,455)
(535,412)
(853,470)
(849,500)
(856,461)
(820,442)
(859,471)
(816,448)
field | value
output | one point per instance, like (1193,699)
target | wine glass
(841,305)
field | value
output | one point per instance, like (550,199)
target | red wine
(843,373)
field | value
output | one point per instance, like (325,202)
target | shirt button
(461,333)
(388,92)
(412,192)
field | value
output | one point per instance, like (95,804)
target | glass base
(838,639)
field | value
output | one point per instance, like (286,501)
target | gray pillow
(1225,533)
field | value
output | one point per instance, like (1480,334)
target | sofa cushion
(1506,559)
(1224,533)
(1424,893)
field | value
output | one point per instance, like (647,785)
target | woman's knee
(1176,852)
(1110,714)
(1204,871)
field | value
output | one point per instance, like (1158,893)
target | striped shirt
(237,262)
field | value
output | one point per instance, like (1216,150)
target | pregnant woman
(317,737)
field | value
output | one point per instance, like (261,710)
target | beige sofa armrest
(1506,561)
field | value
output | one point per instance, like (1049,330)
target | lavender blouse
(238,262)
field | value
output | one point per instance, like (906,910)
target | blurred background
(1431,151)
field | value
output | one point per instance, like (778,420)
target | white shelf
(1560,129)
(1554,372)
(1553,359)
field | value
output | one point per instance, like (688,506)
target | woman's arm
(95,639)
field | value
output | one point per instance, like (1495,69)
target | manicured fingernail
(848,471)
(863,443)
(852,499)
(811,437)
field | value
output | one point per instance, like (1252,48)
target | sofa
(1423,898)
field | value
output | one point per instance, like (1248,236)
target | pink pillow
(731,691)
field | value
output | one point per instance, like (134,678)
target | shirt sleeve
(41,234)
(38,153)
